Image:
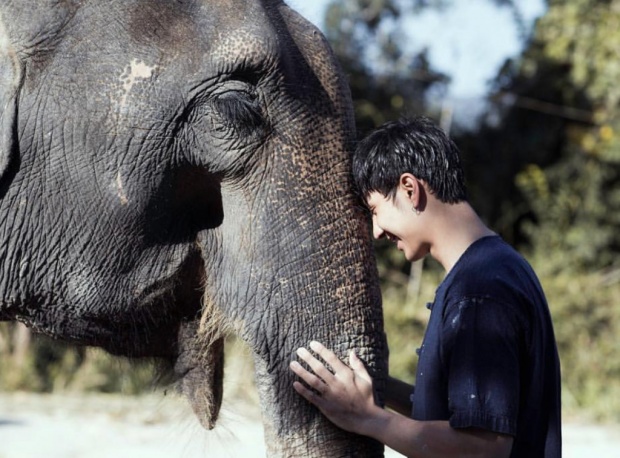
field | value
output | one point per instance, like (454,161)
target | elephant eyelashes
(239,111)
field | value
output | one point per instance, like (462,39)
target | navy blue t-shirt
(489,358)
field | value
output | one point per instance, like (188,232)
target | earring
(417,212)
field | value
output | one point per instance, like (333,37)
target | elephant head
(171,170)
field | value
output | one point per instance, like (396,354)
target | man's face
(395,219)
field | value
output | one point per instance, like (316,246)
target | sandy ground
(158,426)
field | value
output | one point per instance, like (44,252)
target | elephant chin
(200,368)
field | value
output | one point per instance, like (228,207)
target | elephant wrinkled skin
(172,170)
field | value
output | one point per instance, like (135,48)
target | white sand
(157,426)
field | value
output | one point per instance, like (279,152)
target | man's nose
(377,232)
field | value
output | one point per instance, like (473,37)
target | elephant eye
(238,111)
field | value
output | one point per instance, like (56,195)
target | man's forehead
(373,198)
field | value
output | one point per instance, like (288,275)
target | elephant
(175,170)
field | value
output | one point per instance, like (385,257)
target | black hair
(417,146)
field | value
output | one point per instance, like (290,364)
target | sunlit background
(529,91)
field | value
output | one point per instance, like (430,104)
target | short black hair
(417,146)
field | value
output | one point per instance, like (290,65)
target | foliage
(385,79)
(586,315)
(562,124)
(565,136)
(405,311)
(46,365)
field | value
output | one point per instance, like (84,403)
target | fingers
(311,380)
(328,356)
(355,363)
(358,366)
(316,365)
(305,392)
(319,378)
(310,395)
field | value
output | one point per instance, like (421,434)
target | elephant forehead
(252,46)
(203,41)
(245,31)
(134,72)
(219,29)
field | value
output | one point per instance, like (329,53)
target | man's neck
(458,226)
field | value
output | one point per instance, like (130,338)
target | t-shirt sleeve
(481,354)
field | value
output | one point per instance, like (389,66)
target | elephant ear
(10,82)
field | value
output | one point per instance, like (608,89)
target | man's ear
(412,188)
(10,82)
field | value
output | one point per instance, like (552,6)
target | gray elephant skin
(174,170)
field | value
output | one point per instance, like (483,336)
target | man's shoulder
(484,260)
(490,268)
(490,250)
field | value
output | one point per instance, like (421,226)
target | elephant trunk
(281,284)
(292,426)
(325,288)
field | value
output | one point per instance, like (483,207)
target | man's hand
(345,396)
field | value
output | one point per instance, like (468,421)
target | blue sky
(469,41)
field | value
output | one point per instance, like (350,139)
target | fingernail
(315,345)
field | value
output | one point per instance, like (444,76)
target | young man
(488,380)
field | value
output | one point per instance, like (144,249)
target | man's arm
(434,439)
(398,396)
(346,398)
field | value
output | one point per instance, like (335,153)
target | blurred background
(529,90)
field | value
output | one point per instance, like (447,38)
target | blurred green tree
(553,133)
(386,78)
(545,166)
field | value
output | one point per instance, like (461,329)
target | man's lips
(394,239)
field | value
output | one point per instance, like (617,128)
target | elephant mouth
(178,296)
(150,324)
(155,294)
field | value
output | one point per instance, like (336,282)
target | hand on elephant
(344,395)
